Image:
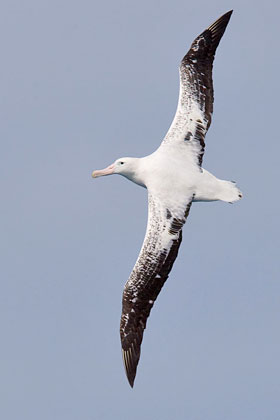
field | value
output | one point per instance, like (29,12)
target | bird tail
(229,192)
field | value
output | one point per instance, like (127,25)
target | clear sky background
(83,83)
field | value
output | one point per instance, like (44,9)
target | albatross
(174,178)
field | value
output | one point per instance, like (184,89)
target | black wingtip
(130,365)
(131,382)
(222,19)
(204,46)
(218,28)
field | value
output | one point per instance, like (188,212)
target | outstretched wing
(195,106)
(158,253)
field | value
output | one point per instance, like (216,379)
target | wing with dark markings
(195,106)
(158,253)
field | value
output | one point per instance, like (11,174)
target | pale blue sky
(83,83)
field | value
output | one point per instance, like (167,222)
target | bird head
(124,166)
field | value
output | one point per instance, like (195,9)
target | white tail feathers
(229,192)
(211,188)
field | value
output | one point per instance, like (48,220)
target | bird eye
(121,163)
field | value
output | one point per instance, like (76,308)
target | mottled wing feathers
(158,253)
(195,106)
(136,310)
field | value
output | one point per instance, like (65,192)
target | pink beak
(102,172)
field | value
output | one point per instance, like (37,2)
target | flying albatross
(174,178)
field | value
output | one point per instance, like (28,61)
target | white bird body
(174,178)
